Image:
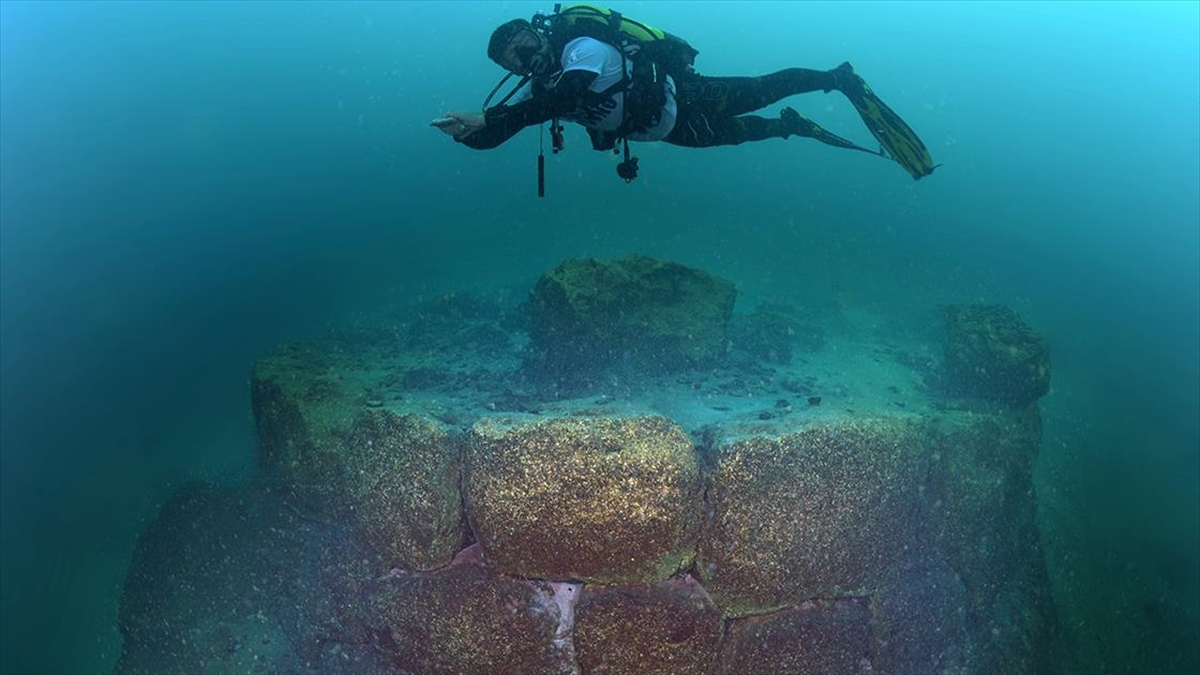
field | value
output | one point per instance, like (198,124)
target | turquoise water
(185,185)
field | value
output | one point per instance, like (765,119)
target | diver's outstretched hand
(459,124)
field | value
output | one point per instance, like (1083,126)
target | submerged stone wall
(880,545)
(402,525)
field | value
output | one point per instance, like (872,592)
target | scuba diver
(625,81)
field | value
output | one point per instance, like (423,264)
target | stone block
(980,505)
(611,500)
(402,473)
(991,353)
(814,637)
(669,627)
(922,622)
(235,581)
(588,316)
(466,618)
(336,453)
(303,411)
(817,513)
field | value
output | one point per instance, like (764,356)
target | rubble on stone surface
(431,501)
(638,313)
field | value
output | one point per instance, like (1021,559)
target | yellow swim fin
(899,141)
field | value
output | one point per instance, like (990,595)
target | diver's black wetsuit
(712,110)
(504,121)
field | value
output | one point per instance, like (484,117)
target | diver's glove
(459,124)
(839,77)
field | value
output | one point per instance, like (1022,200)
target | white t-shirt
(601,58)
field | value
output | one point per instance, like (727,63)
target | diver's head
(520,49)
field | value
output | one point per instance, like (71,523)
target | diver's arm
(502,122)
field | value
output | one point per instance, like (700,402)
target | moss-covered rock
(403,474)
(981,515)
(230,581)
(303,411)
(770,333)
(588,315)
(922,622)
(991,353)
(323,439)
(818,513)
(613,500)
(670,627)
(980,482)
(817,637)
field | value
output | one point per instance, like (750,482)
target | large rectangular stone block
(821,512)
(595,499)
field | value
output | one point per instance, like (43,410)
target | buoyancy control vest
(638,41)
(652,53)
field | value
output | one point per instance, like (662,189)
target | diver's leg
(699,129)
(732,96)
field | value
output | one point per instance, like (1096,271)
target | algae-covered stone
(324,439)
(614,500)
(981,513)
(233,580)
(635,312)
(670,627)
(821,512)
(303,410)
(991,353)
(770,333)
(466,618)
(403,472)
(921,621)
(817,637)
(981,506)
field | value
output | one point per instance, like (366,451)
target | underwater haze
(185,185)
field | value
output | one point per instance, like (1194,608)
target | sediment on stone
(604,500)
